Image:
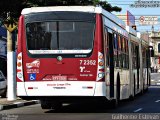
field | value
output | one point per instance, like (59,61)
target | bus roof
(89,9)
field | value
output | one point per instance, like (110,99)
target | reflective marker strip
(30,87)
(138,110)
(87,87)
(157,101)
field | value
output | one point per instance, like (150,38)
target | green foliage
(108,7)
(15,6)
(95,2)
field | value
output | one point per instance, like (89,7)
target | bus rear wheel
(56,105)
(45,104)
(114,103)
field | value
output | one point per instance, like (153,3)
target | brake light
(100,70)
(19,67)
(101,63)
(19,64)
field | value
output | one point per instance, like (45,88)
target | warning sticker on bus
(34,64)
(59,78)
(55,78)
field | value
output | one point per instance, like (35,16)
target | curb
(18,104)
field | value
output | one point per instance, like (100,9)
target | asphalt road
(144,104)
(149,102)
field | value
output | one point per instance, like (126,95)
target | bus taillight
(101,63)
(19,64)
(19,67)
(100,70)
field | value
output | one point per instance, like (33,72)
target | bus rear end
(59,56)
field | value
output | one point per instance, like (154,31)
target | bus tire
(149,81)
(114,103)
(56,105)
(45,104)
(131,98)
(145,90)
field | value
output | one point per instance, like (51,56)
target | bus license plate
(59,78)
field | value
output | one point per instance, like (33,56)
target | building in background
(153,37)
(128,18)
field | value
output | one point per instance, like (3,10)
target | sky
(137,12)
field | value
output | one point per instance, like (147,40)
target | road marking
(157,101)
(138,110)
(66,104)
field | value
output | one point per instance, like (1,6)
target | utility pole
(11,64)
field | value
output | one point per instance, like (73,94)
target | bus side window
(119,51)
(127,55)
(137,57)
(106,47)
(123,53)
(116,63)
(134,55)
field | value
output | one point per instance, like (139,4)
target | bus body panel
(50,77)
(71,73)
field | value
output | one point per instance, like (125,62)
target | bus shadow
(92,107)
(124,106)
(87,107)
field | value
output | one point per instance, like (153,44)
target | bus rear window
(60,37)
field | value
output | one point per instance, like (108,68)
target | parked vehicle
(3,85)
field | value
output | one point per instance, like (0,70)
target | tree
(12,6)
(15,6)
(109,7)
(104,4)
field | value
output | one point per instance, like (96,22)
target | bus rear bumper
(66,99)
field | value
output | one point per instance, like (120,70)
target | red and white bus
(72,53)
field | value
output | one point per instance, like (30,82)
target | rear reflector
(30,87)
(87,87)
(100,70)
